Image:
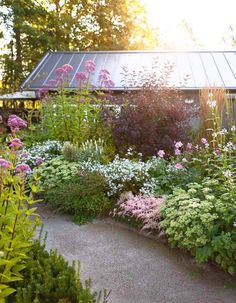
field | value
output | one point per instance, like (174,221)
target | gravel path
(137,269)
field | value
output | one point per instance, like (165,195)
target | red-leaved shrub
(153,116)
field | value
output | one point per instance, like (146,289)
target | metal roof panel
(204,68)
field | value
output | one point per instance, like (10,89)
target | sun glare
(191,24)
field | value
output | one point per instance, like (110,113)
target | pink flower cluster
(104,79)
(16,123)
(22,168)
(143,208)
(90,66)
(16,143)
(61,73)
(5,164)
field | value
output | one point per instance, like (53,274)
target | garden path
(136,268)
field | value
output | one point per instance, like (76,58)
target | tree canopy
(34,27)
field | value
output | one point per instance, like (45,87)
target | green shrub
(92,150)
(70,152)
(48,278)
(201,219)
(82,196)
(56,171)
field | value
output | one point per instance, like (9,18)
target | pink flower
(24,156)
(189,145)
(16,143)
(103,75)
(161,153)
(179,166)
(80,76)
(39,161)
(178,145)
(22,168)
(204,141)
(16,123)
(67,68)
(108,83)
(59,72)
(5,164)
(90,66)
(177,152)
(52,83)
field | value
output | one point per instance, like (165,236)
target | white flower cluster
(44,151)
(121,172)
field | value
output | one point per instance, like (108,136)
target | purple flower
(22,168)
(5,164)
(90,66)
(59,72)
(177,152)
(52,83)
(39,161)
(67,68)
(108,83)
(16,143)
(81,76)
(217,151)
(178,145)
(204,141)
(161,153)
(103,75)
(16,123)
(179,166)
(24,156)
(189,145)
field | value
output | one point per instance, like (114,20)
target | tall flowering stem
(18,219)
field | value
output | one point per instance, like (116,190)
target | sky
(209,20)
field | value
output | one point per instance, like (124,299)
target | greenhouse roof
(201,68)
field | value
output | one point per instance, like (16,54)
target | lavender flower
(5,164)
(16,143)
(16,123)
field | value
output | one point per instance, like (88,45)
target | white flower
(211,103)
(227,173)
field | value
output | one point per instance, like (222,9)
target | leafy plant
(48,278)
(153,117)
(56,171)
(73,117)
(18,219)
(201,219)
(83,196)
(92,150)
(70,152)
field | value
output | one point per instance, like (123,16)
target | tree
(37,26)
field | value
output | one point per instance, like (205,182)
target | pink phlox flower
(81,76)
(177,152)
(161,153)
(39,161)
(16,123)
(16,143)
(60,72)
(103,75)
(204,141)
(179,166)
(5,164)
(22,168)
(178,145)
(189,145)
(90,66)
(52,83)
(108,84)
(67,68)
(24,156)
